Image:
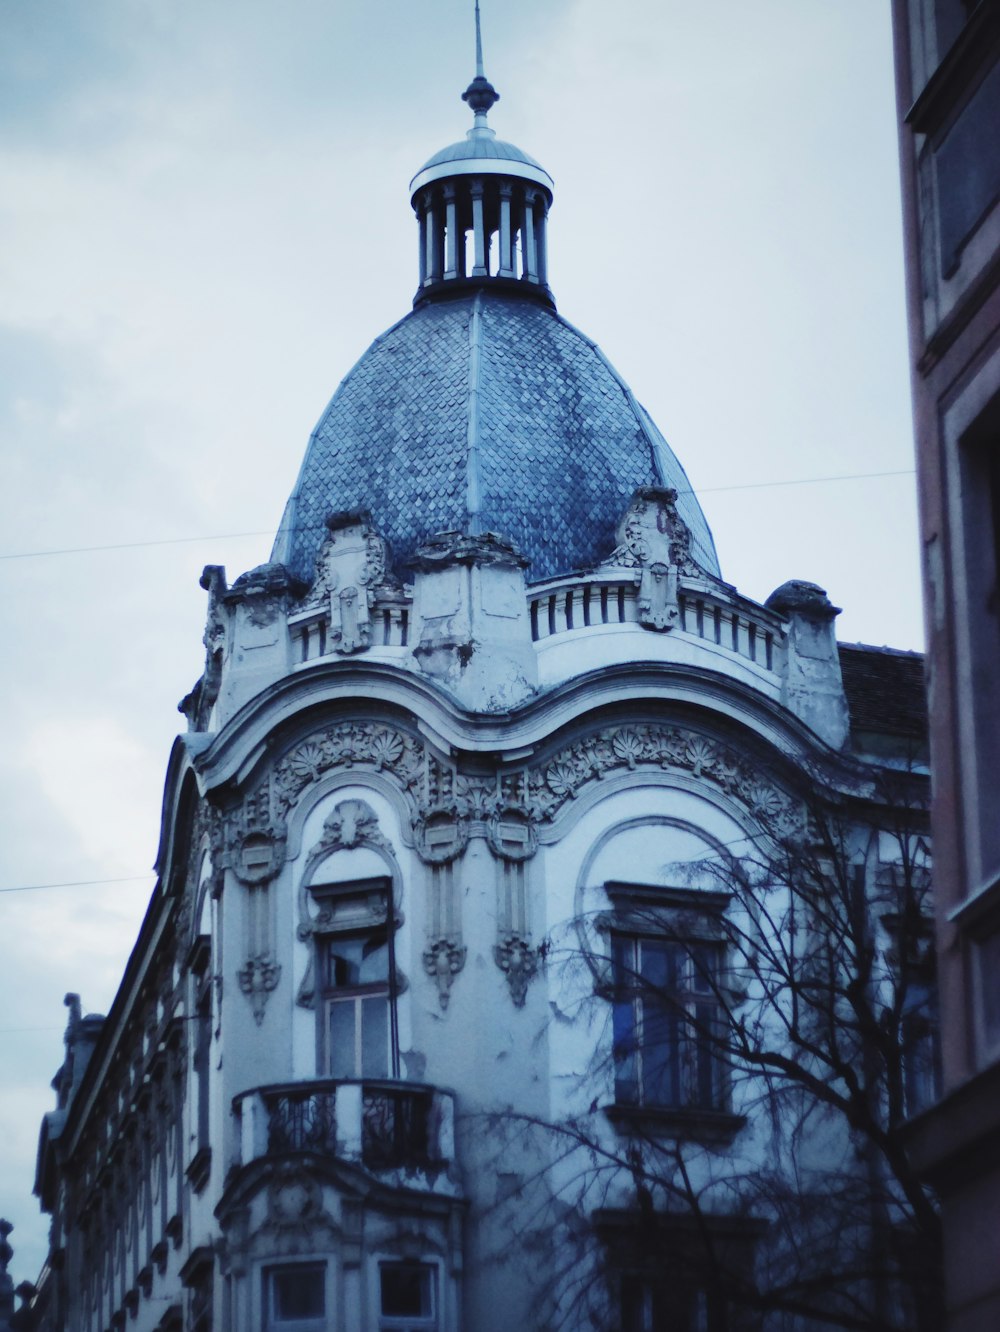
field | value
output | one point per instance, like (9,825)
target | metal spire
(480,94)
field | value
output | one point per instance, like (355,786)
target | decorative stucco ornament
(669,749)
(350,825)
(255,840)
(518,961)
(198,705)
(440,835)
(352,563)
(655,540)
(511,834)
(258,977)
(343,746)
(443,960)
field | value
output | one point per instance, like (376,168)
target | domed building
(486,815)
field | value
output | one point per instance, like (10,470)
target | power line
(801,481)
(127,545)
(237,536)
(75,883)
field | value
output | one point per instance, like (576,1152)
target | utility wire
(801,481)
(127,545)
(236,536)
(75,883)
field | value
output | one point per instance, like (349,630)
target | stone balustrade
(310,629)
(586,601)
(569,605)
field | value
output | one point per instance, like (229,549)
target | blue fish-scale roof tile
(562,444)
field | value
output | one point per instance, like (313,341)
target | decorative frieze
(446,804)
(667,749)
(367,743)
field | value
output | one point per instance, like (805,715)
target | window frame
(311,1323)
(678,1008)
(688,921)
(347,914)
(676,1272)
(407,1322)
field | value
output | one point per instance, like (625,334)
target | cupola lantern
(481,205)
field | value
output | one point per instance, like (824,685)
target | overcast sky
(204,221)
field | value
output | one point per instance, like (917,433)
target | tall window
(295,1298)
(407,1297)
(356,965)
(666,1022)
(920,1054)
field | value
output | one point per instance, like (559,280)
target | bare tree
(763,1037)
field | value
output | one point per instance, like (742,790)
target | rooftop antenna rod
(479,45)
(480,94)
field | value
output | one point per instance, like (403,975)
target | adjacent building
(539,934)
(948,83)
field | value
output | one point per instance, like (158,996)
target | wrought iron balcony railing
(387,1126)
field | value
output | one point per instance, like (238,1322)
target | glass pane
(343,1057)
(375,961)
(298,1292)
(706,1071)
(406,1291)
(661,1081)
(703,965)
(658,966)
(624,1053)
(623,959)
(344,962)
(375,1037)
(637,1305)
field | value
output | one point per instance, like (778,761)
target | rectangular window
(666,1023)
(356,966)
(407,1297)
(295,1298)
(655,1305)
(981,518)
(920,1052)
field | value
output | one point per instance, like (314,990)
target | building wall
(948,84)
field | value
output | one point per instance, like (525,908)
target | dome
(477,146)
(485,412)
(481,153)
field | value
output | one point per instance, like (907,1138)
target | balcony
(401,1132)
